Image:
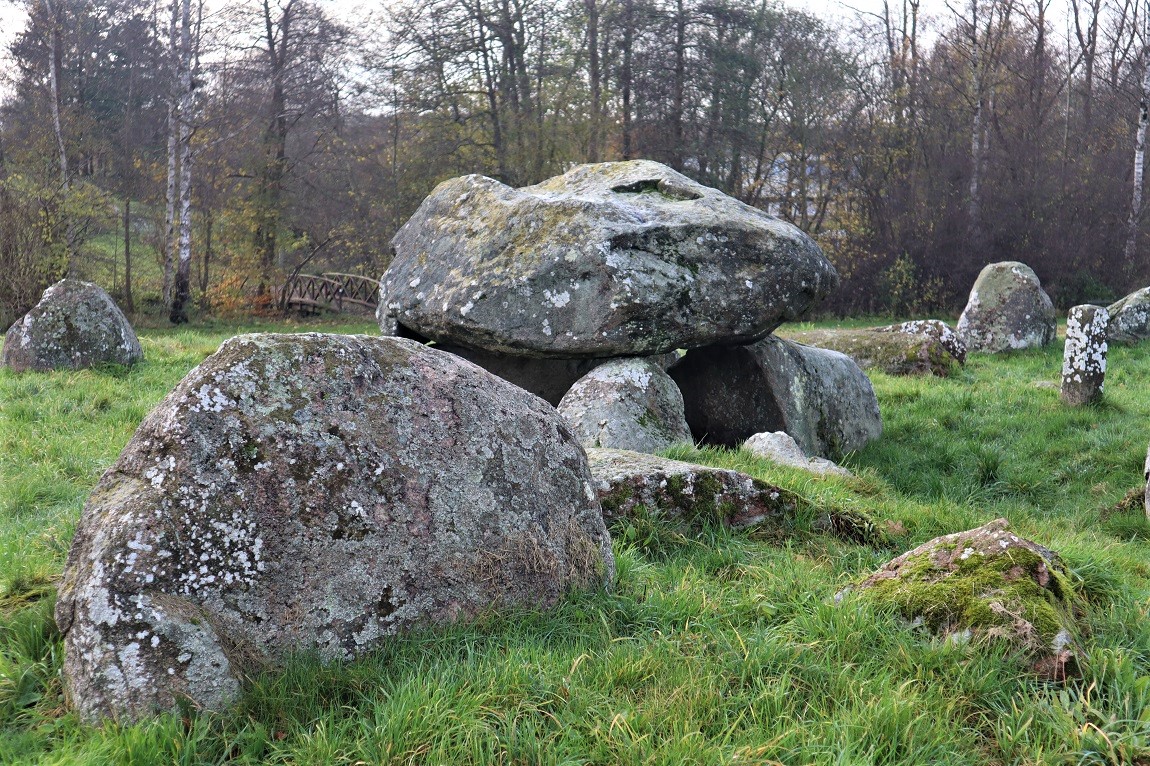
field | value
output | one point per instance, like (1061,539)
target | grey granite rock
(611,259)
(1007,310)
(316,493)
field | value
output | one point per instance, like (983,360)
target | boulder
(986,582)
(1130,317)
(893,353)
(687,494)
(781,448)
(819,397)
(1007,310)
(1084,355)
(610,259)
(75,325)
(627,404)
(318,494)
(932,328)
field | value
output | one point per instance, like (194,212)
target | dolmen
(316,494)
(1007,310)
(622,261)
(75,325)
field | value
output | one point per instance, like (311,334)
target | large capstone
(612,259)
(75,325)
(628,404)
(317,494)
(819,397)
(1130,317)
(1007,310)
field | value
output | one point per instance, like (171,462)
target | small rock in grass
(986,582)
(781,448)
(75,325)
(628,404)
(1084,355)
(318,494)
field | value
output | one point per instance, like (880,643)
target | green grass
(721,649)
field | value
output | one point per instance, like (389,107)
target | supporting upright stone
(1084,358)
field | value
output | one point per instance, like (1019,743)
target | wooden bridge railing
(330,291)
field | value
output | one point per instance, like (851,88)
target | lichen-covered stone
(610,259)
(316,493)
(75,325)
(819,397)
(781,448)
(893,353)
(932,328)
(1007,310)
(984,582)
(1130,317)
(685,493)
(628,404)
(1084,355)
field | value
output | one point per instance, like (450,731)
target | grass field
(724,649)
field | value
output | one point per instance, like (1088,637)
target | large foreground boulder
(1130,318)
(1007,310)
(628,404)
(75,325)
(895,353)
(987,583)
(611,259)
(819,397)
(316,493)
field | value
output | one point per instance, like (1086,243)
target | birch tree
(185,110)
(1139,146)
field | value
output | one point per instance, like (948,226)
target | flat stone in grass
(609,259)
(1130,317)
(819,397)
(984,583)
(75,325)
(895,353)
(1007,310)
(628,404)
(1084,355)
(318,494)
(685,493)
(932,328)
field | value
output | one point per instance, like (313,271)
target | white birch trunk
(184,213)
(172,190)
(1139,148)
(974,206)
(58,127)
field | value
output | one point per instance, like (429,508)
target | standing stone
(75,325)
(819,397)
(1130,317)
(1084,355)
(609,259)
(318,494)
(627,404)
(1146,478)
(1007,310)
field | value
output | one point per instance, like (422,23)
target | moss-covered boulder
(610,259)
(1007,310)
(984,583)
(687,494)
(628,404)
(1130,318)
(818,396)
(75,325)
(317,494)
(932,328)
(895,353)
